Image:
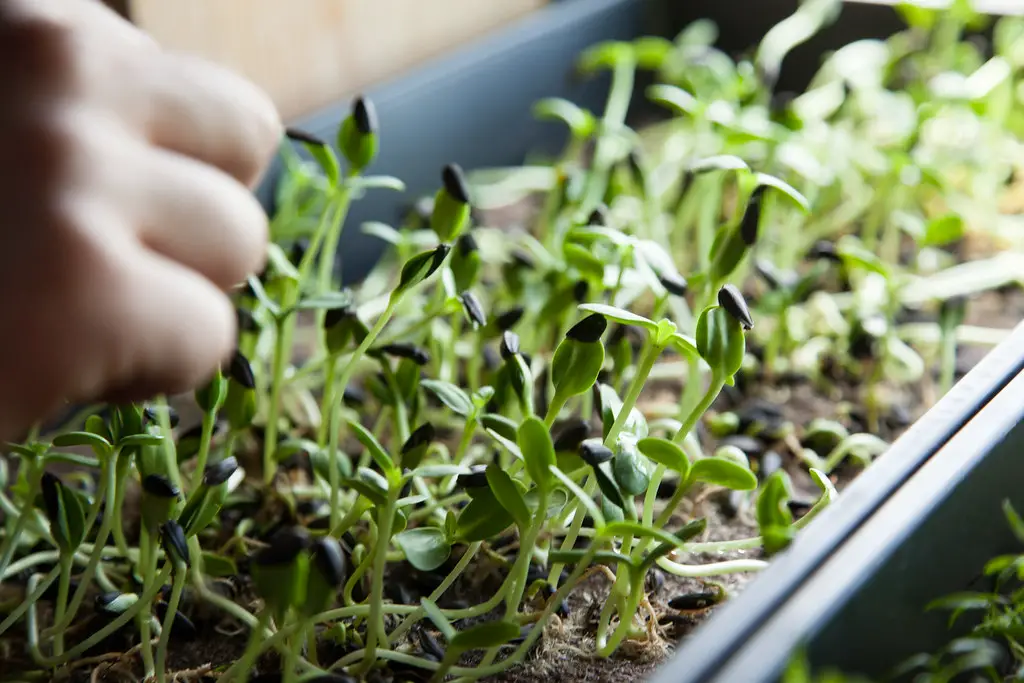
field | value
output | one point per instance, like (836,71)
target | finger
(209,113)
(198,216)
(182,329)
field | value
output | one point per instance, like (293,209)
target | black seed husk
(364,113)
(509,344)
(466,244)
(588,330)
(182,628)
(674,283)
(690,602)
(439,255)
(732,301)
(474,309)
(748,444)
(424,434)
(173,537)
(751,218)
(509,318)
(580,290)
(416,354)
(572,435)
(329,559)
(354,396)
(303,136)
(241,371)
(477,478)
(153,416)
(825,251)
(284,546)
(599,216)
(455,183)
(333,316)
(219,472)
(245,321)
(522,259)
(160,486)
(429,644)
(595,453)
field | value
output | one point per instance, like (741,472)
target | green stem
(10,544)
(374,631)
(327,399)
(245,663)
(947,362)
(557,403)
(205,439)
(339,393)
(635,387)
(282,348)
(148,573)
(29,600)
(132,612)
(621,91)
(457,571)
(329,254)
(122,468)
(165,631)
(110,484)
(717,382)
(66,562)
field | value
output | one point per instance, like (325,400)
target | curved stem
(66,562)
(714,388)
(110,484)
(374,630)
(165,631)
(29,600)
(205,439)
(10,544)
(98,636)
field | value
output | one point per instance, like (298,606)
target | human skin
(126,212)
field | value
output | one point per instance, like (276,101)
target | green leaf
(538,452)
(583,260)
(722,472)
(1014,520)
(435,614)
(457,400)
(576,366)
(141,440)
(369,441)
(426,548)
(94,441)
(774,518)
(966,600)
(437,471)
(508,494)
(674,98)
(943,230)
(722,162)
(585,500)
(580,121)
(855,255)
(627,528)
(73,459)
(630,469)
(371,492)
(507,444)
(486,635)
(667,453)
(218,566)
(556,499)
(325,301)
(261,295)
(483,518)
(620,315)
(685,345)
(375,182)
(64,510)
(790,192)
(381,231)
(23,450)
(501,425)
(419,268)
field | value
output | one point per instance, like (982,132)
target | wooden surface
(308,53)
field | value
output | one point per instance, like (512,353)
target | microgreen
(525,402)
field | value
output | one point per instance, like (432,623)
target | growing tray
(917,524)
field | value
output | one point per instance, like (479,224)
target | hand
(124,211)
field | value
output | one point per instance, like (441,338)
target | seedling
(532,407)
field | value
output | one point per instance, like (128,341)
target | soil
(565,653)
